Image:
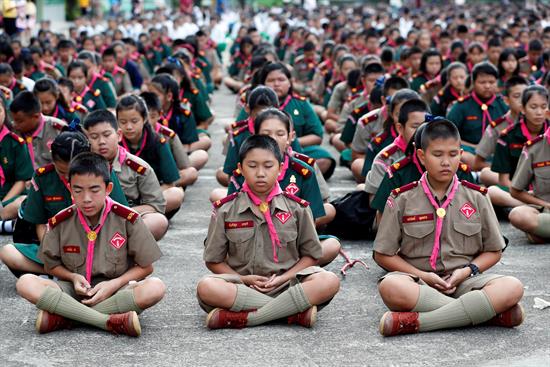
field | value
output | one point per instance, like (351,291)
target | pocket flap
(418,229)
(239,235)
(467,229)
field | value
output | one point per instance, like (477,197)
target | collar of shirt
(245,203)
(442,200)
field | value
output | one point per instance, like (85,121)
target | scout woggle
(264,208)
(92,236)
(440,213)
(485,108)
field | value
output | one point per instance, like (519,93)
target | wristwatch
(473,268)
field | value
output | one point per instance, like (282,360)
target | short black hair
(309,46)
(438,129)
(401,96)
(272,113)
(6,69)
(26,102)
(260,142)
(426,55)
(66,82)
(88,163)
(100,116)
(68,145)
(109,51)
(513,81)
(152,101)
(532,90)
(262,96)
(535,45)
(394,82)
(65,43)
(77,65)
(485,68)
(373,68)
(413,105)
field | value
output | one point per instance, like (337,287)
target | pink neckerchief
(440,213)
(284,169)
(13,83)
(547,135)
(166,119)
(92,235)
(79,97)
(3,132)
(454,93)
(264,208)
(143,142)
(484,108)
(122,152)
(56,112)
(30,138)
(525,131)
(417,163)
(400,143)
(94,78)
(286,101)
(250,124)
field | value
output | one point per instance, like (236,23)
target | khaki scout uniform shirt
(383,160)
(43,141)
(407,228)
(535,167)
(349,106)
(238,234)
(366,129)
(139,182)
(487,144)
(178,150)
(120,244)
(338,97)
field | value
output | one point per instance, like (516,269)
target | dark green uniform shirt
(182,121)
(199,107)
(351,122)
(376,145)
(48,195)
(107,90)
(15,161)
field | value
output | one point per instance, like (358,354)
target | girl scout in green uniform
(307,125)
(49,194)
(454,90)
(139,139)
(53,103)
(430,67)
(91,99)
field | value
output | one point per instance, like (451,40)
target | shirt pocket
(73,261)
(469,237)
(116,260)
(415,239)
(542,180)
(239,243)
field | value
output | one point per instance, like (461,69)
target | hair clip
(429,117)
(380,81)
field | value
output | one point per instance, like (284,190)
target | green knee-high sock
(543,227)
(249,299)
(121,302)
(430,299)
(471,308)
(290,302)
(55,301)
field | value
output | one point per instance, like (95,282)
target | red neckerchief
(166,119)
(143,142)
(265,209)
(400,143)
(13,83)
(94,78)
(285,102)
(284,169)
(79,97)
(525,131)
(484,108)
(92,235)
(455,93)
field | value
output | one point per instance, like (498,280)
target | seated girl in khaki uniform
(437,237)
(263,250)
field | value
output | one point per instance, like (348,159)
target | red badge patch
(292,189)
(71,249)
(118,241)
(283,216)
(241,224)
(468,210)
(49,199)
(417,218)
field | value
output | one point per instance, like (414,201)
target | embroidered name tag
(471,118)
(418,218)
(53,198)
(69,249)
(541,164)
(240,224)
(516,146)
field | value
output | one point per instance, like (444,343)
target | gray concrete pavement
(346,332)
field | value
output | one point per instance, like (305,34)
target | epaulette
(304,158)
(361,108)
(97,93)
(195,91)
(388,152)
(295,198)
(125,212)
(498,121)
(17,138)
(379,139)
(299,58)
(505,131)
(303,171)
(162,140)
(299,97)
(240,131)
(370,117)
(237,172)
(534,141)
(80,108)
(472,186)
(61,216)
(58,125)
(219,203)
(105,79)
(400,164)
(186,112)
(464,167)
(402,189)
(44,169)
(238,124)
(135,166)
(166,131)
(463,98)
(243,97)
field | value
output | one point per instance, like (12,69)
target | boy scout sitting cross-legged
(447,237)
(98,249)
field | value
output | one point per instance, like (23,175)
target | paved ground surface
(346,332)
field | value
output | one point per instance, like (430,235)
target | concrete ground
(346,332)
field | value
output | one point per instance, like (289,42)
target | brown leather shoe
(219,318)
(124,323)
(397,323)
(306,318)
(509,318)
(47,322)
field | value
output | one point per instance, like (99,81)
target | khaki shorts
(235,279)
(470,284)
(68,287)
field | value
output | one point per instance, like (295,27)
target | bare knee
(208,288)
(513,287)
(25,285)
(395,291)
(329,281)
(524,218)
(156,289)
